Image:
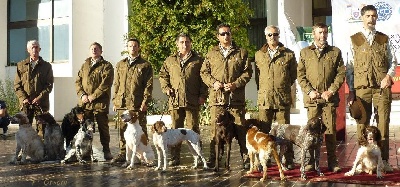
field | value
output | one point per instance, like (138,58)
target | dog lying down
(29,144)
(263,145)
(368,158)
(137,143)
(164,138)
(82,149)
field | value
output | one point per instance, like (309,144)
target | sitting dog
(263,145)
(137,143)
(224,133)
(28,141)
(71,124)
(53,139)
(368,157)
(83,144)
(307,137)
(164,138)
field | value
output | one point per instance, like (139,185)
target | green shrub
(7,94)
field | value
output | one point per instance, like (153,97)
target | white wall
(3,38)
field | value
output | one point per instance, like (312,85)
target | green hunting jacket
(184,80)
(133,83)
(277,74)
(320,71)
(31,83)
(235,68)
(96,81)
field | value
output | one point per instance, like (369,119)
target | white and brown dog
(29,144)
(368,157)
(307,137)
(164,138)
(53,138)
(83,149)
(263,145)
(137,143)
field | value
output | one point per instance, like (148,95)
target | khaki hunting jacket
(184,80)
(96,81)
(371,62)
(277,74)
(133,83)
(31,83)
(235,68)
(320,71)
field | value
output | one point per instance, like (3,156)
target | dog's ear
(377,132)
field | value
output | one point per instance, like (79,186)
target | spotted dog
(263,145)
(53,138)
(82,149)
(29,144)
(309,136)
(164,138)
(71,124)
(224,133)
(368,157)
(137,143)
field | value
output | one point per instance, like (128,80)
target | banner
(346,21)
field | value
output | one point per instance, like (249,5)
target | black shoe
(119,158)
(174,163)
(108,155)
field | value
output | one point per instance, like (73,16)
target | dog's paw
(94,160)
(130,167)
(157,168)
(63,161)
(349,173)
(82,161)
(125,165)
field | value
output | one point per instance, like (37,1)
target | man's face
(184,45)
(369,19)
(320,36)
(133,48)
(224,36)
(272,36)
(95,51)
(33,51)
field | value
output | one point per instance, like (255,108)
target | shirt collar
(132,59)
(93,61)
(367,32)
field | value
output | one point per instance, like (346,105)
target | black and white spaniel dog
(368,157)
(72,123)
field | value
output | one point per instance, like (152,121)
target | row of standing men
(222,75)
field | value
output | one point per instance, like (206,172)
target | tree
(156,23)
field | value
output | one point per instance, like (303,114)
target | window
(47,21)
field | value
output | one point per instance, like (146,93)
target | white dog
(28,141)
(368,157)
(83,144)
(137,143)
(164,138)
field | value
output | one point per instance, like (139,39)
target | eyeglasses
(273,34)
(225,33)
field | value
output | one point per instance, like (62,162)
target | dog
(263,145)
(29,143)
(82,149)
(164,138)
(307,137)
(53,138)
(71,124)
(137,143)
(224,133)
(368,157)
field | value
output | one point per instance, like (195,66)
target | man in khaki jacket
(93,87)
(226,71)
(133,86)
(321,73)
(278,68)
(34,81)
(180,80)
(369,75)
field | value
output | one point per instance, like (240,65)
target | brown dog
(264,145)
(224,133)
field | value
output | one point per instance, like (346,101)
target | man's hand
(84,99)
(350,98)
(326,95)
(171,93)
(36,101)
(386,82)
(90,98)
(218,85)
(314,95)
(114,108)
(230,87)
(25,101)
